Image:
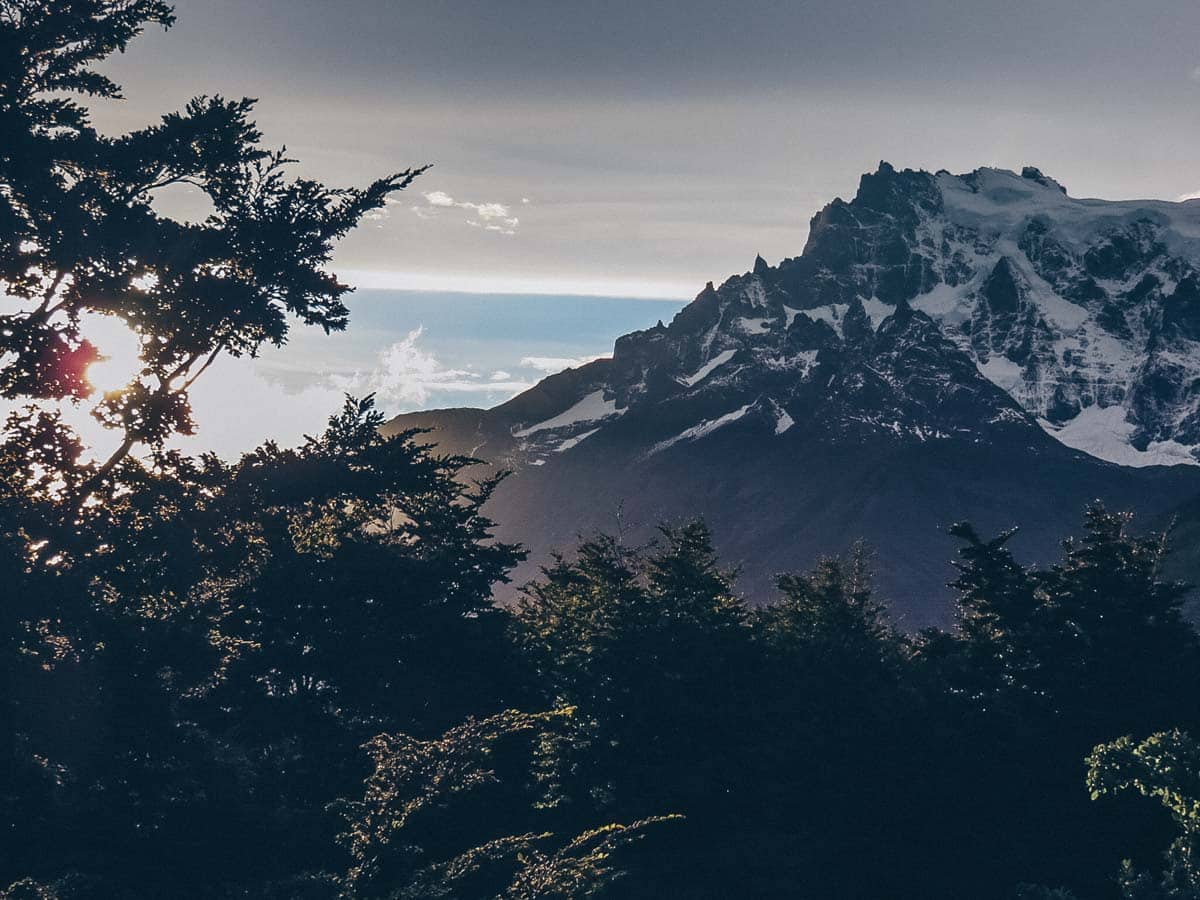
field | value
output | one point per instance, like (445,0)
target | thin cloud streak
(495,216)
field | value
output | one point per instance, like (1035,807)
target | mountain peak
(940,341)
(1032,173)
(1081,313)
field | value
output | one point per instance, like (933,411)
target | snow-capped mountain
(971,334)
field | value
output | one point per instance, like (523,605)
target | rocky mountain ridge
(1086,313)
(986,320)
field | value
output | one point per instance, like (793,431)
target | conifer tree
(651,645)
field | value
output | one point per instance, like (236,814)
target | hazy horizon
(413,350)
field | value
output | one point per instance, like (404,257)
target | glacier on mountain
(1086,313)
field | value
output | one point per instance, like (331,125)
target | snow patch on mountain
(944,302)
(709,367)
(1002,372)
(754,326)
(574,441)
(783,421)
(830,314)
(701,430)
(877,311)
(591,408)
(1105,432)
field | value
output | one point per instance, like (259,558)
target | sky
(639,149)
(410,349)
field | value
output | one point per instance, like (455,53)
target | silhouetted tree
(466,815)
(79,234)
(123,573)
(651,645)
(1049,662)
(832,764)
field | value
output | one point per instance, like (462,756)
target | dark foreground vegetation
(283,677)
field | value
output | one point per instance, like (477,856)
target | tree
(1047,663)
(1163,767)
(375,560)
(366,606)
(462,816)
(80,235)
(1120,654)
(651,645)
(830,617)
(122,573)
(834,762)
(998,605)
(1098,641)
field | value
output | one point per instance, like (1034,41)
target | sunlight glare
(119,362)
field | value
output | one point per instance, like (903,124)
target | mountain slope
(944,348)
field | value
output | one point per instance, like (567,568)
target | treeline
(284,676)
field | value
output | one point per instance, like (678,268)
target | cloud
(439,198)
(490,210)
(550,364)
(490,216)
(491,227)
(407,377)
(404,377)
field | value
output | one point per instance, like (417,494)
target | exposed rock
(975,332)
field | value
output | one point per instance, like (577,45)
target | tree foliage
(432,821)
(211,669)
(1164,767)
(81,235)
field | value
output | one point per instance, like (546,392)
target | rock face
(944,348)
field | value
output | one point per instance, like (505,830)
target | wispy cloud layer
(490,216)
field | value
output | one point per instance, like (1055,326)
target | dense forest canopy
(284,676)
